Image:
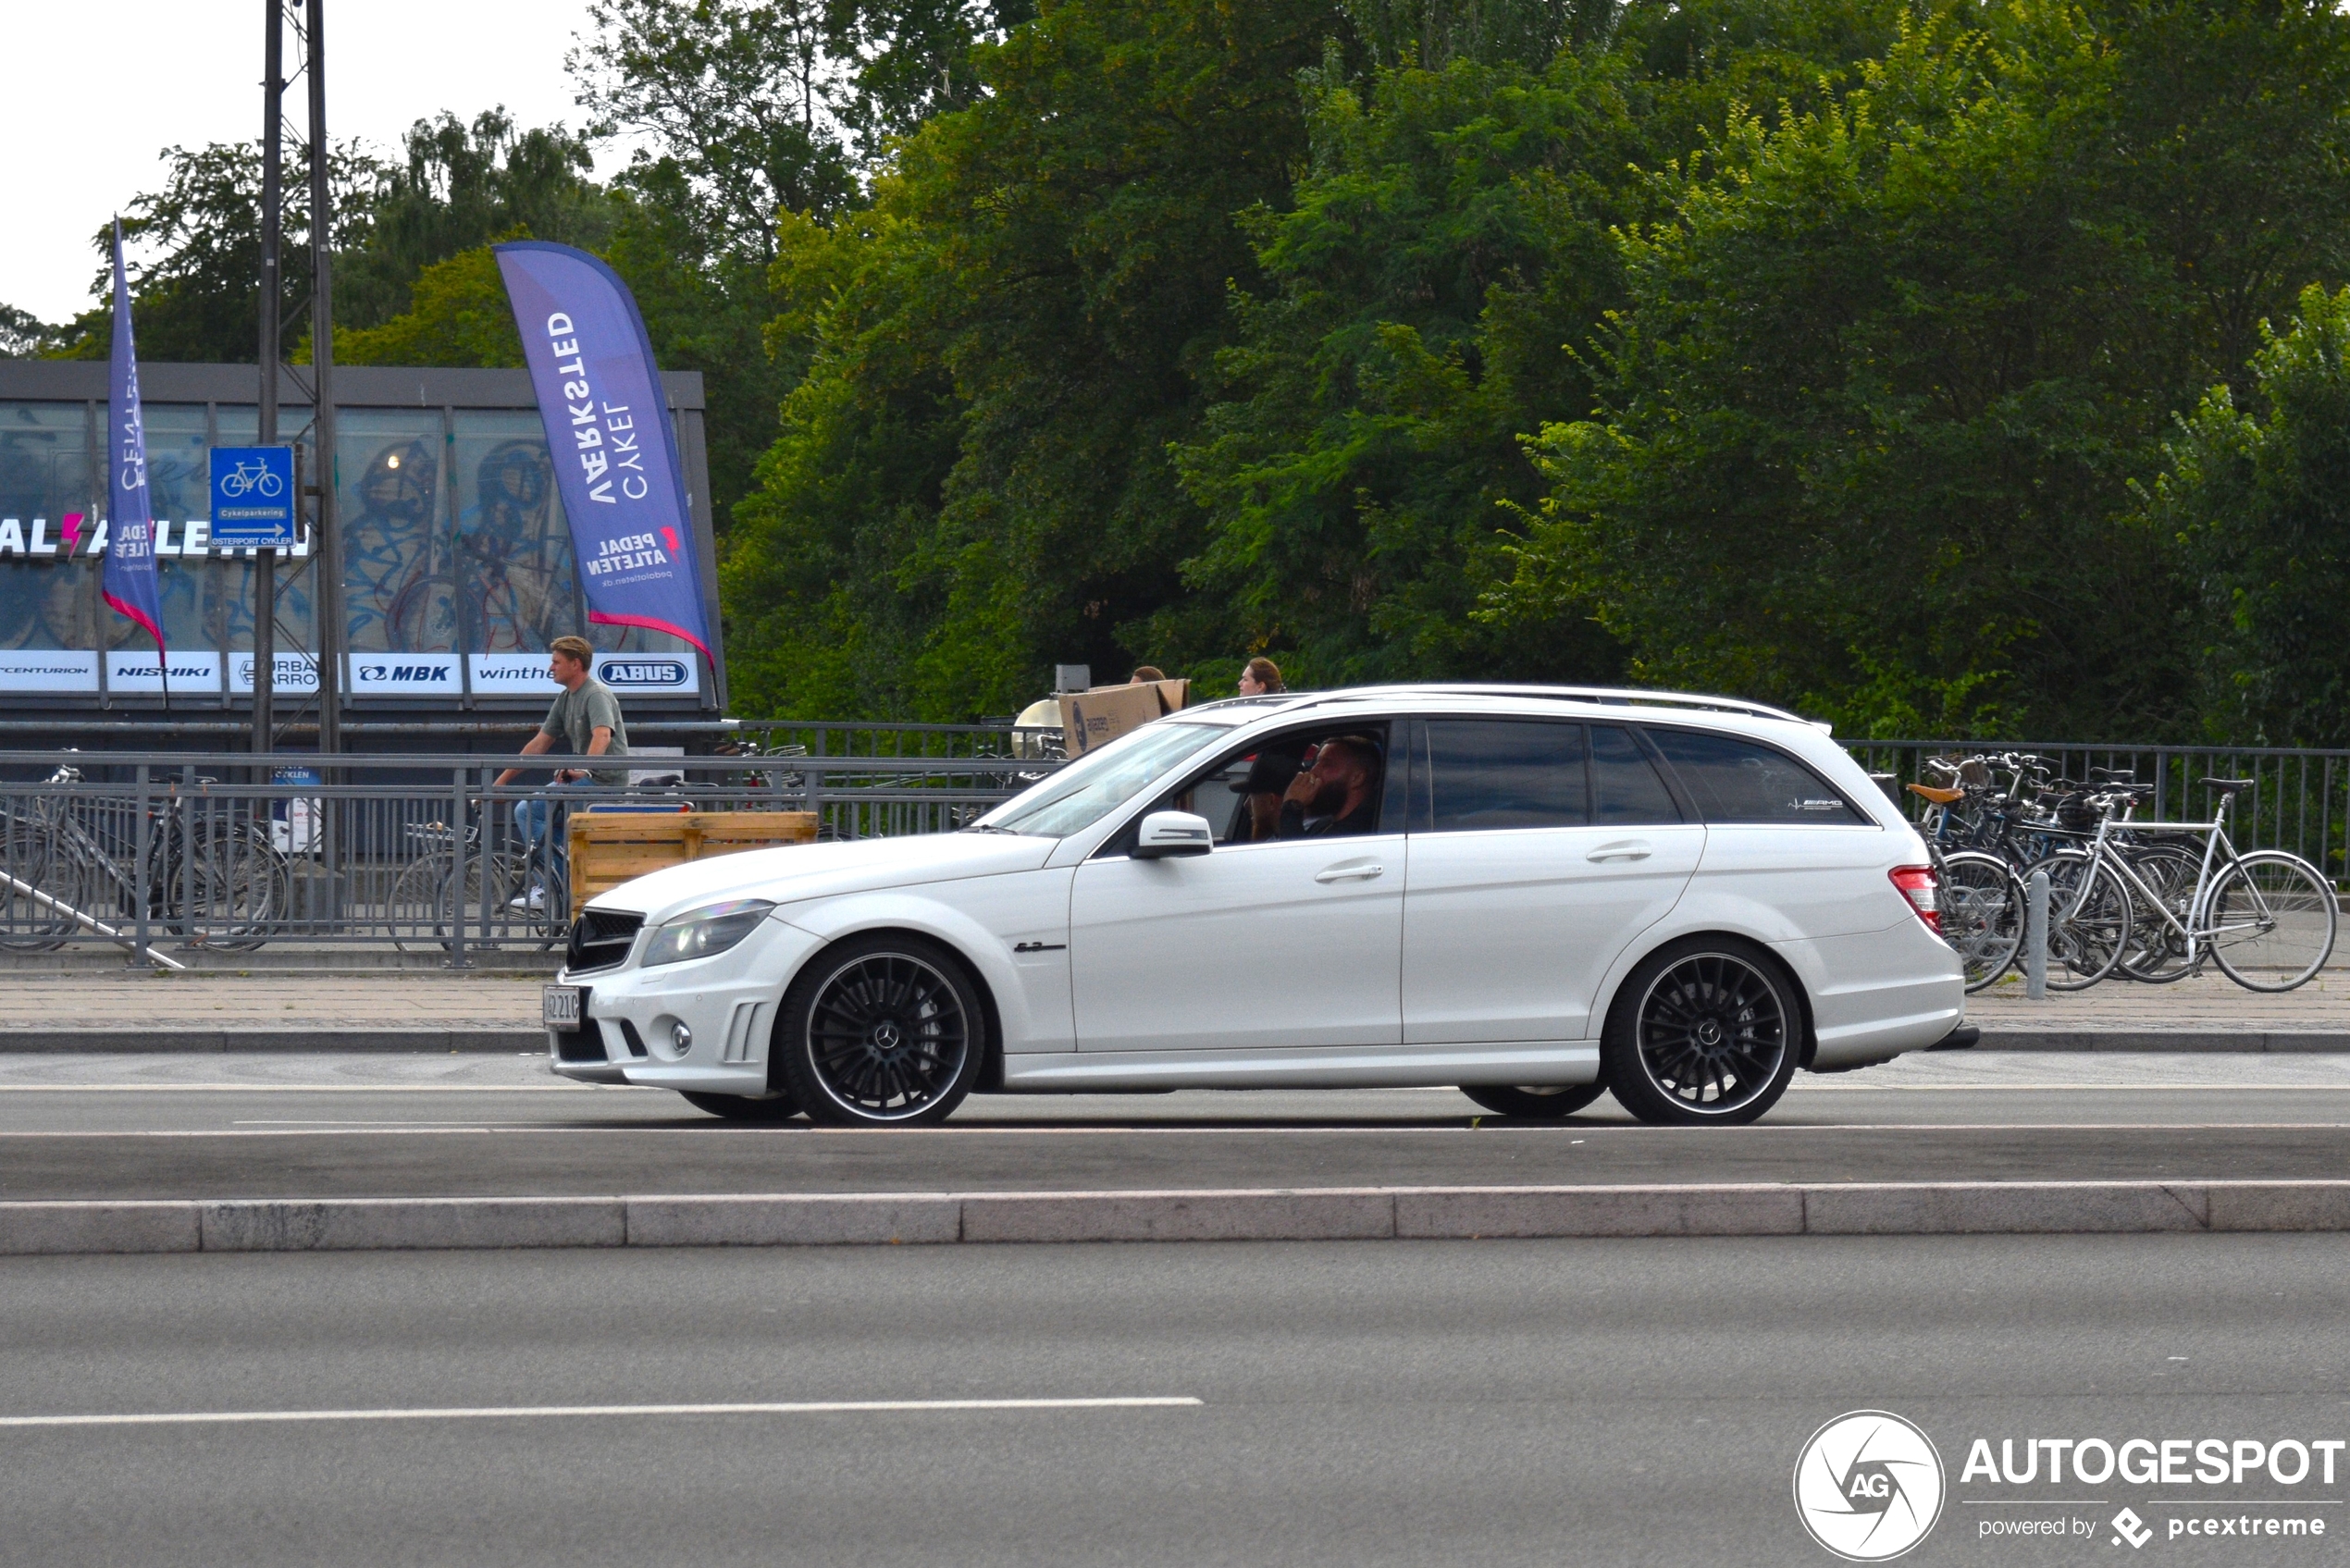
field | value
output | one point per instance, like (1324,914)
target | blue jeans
(539,822)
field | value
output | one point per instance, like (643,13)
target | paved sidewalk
(129,1010)
(125,1010)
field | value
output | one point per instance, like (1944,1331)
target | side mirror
(1164,834)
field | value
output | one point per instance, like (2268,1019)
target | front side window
(1741,781)
(1491,774)
(1332,781)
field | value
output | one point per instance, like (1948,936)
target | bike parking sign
(252,498)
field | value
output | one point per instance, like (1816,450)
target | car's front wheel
(881,1031)
(1704,1033)
(743,1108)
(1532,1101)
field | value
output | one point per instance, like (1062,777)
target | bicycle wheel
(30,856)
(2089,919)
(1982,905)
(2156,952)
(235,892)
(2270,921)
(420,901)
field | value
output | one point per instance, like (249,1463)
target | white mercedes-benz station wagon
(1538,894)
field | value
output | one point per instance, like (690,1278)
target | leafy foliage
(2258,499)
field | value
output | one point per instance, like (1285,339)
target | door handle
(1350,873)
(1624,849)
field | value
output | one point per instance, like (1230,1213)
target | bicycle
(210,880)
(2268,919)
(447,884)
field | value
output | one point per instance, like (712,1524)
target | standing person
(585,716)
(1261,678)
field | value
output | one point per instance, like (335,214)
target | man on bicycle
(585,716)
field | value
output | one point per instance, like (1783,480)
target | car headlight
(700,932)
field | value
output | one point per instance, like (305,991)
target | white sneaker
(534,901)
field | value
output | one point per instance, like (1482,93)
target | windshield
(1094,785)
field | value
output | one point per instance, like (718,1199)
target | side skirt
(1356,1067)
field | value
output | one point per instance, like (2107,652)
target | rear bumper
(1876,995)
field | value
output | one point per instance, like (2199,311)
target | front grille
(599,939)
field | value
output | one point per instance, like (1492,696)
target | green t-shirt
(577,715)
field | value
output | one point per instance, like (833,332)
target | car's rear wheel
(881,1031)
(742,1107)
(1533,1101)
(1704,1033)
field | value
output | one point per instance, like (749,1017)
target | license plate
(561,1004)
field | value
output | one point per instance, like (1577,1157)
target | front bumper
(727,1004)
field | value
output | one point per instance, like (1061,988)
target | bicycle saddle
(1939,797)
(2229,786)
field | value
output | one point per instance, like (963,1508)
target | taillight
(1917,884)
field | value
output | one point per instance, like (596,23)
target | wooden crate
(612,848)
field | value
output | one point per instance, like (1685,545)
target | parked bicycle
(210,878)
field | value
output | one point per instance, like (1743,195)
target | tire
(1705,1033)
(2086,931)
(2157,953)
(1982,907)
(881,1030)
(1532,1102)
(2272,920)
(742,1107)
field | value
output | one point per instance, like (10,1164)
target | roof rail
(1613,696)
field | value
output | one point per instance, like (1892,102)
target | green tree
(457,188)
(1867,424)
(2258,500)
(1448,245)
(972,478)
(198,297)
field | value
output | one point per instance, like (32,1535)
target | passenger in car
(1336,794)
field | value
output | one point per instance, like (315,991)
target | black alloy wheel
(881,1031)
(1704,1033)
(1534,1101)
(743,1108)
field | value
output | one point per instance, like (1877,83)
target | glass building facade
(454,548)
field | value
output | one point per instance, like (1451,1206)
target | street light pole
(264,575)
(326,548)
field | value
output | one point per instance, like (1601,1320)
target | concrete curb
(507,1042)
(2168,1041)
(1292,1215)
(314,1040)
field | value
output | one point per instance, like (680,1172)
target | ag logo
(1868,1485)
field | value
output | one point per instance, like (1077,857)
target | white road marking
(502,1413)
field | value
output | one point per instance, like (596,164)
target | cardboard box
(1098,716)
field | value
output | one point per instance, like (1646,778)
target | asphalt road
(421,1127)
(1590,1403)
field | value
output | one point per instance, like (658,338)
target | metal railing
(160,852)
(2300,798)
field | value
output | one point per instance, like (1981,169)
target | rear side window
(1739,781)
(1488,773)
(1625,787)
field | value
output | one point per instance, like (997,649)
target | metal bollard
(2036,936)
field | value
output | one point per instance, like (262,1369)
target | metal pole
(265,572)
(140,890)
(2036,936)
(457,909)
(326,548)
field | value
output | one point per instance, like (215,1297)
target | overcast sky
(95,92)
